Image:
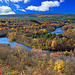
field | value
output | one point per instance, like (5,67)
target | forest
(35,31)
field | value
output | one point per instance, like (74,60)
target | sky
(37,6)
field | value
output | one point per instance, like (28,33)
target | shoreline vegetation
(53,40)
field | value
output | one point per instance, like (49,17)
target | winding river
(58,31)
(6,40)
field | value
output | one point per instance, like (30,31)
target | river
(6,40)
(58,31)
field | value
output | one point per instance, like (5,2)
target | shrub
(60,35)
(66,53)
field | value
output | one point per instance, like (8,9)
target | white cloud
(1,1)
(6,1)
(61,0)
(22,10)
(18,8)
(15,0)
(44,6)
(5,10)
(25,1)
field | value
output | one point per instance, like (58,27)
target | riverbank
(28,46)
(5,40)
(58,47)
(49,42)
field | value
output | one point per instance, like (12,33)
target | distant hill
(18,15)
(40,16)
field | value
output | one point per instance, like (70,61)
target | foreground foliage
(19,61)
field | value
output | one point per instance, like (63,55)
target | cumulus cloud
(25,1)
(44,6)
(5,10)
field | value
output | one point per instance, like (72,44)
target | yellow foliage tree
(54,43)
(59,65)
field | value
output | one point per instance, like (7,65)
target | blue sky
(37,6)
